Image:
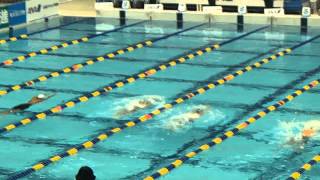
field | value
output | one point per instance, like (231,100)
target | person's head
(308,133)
(39,98)
(144,102)
(199,111)
(85,173)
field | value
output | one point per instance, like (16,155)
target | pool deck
(87,9)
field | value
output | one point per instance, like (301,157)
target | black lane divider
(99,74)
(200,36)
(10,61)
(159,46)
(162,79)
(230,133)
(26,36)
(107,56)
(144,118)
(220,50)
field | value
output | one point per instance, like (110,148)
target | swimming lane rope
(60,46)
(26,36)
(306,167)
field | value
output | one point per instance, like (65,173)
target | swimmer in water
(308,132)
(180,121)
(136,105)
(34,100)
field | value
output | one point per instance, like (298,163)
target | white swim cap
(41,96)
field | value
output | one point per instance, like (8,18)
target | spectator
(85,173)
(314,6)
(311,4)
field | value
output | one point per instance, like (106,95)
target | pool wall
(192,16)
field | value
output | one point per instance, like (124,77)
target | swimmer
(137,105)
(309,131)
(34,100)
(180,121)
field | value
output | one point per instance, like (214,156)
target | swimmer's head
(41,96)
(307,133)
(202,109)
(199,111)
(144,102)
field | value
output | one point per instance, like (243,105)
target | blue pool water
(257,153)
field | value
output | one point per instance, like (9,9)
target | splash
(104,27)
(130,103)
(107,109)
(290,133)
(185,118)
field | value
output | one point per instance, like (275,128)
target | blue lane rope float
(118,84)
(231,133)
(75,67)
(103,136)
(26,36)
(65,44)
(306,167)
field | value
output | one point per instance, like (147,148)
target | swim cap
(308,133)
(41,96)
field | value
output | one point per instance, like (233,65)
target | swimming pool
(256,153)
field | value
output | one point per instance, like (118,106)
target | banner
(38,9)
(4,17)
(248,3)
(17,14)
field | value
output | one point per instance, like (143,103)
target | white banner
(38,9)
(249,3)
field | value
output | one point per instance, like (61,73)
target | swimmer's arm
(122,112)
(51,95)
(6,112)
